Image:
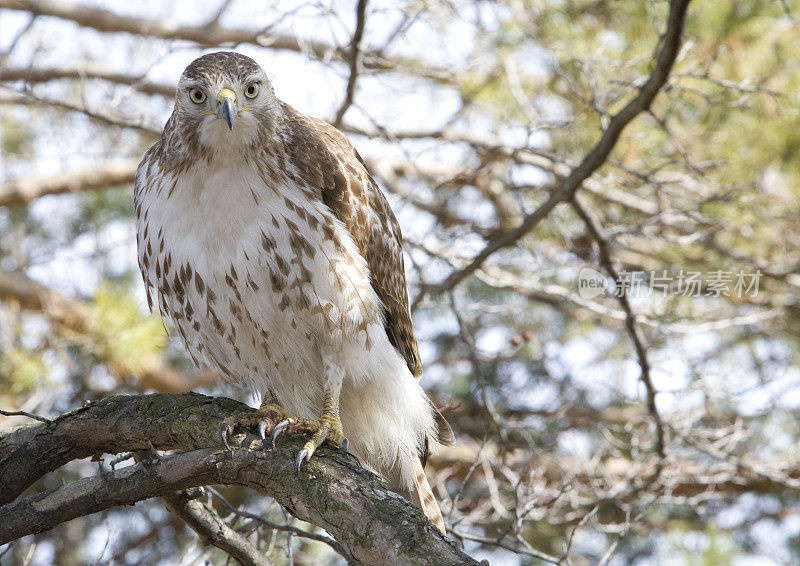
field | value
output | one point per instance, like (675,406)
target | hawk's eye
(251,91)
(197,95)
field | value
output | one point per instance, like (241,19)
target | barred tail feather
(423,497)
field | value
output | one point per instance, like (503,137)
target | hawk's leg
(270,414)
(329,426)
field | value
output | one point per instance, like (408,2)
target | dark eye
(197,95)
(251,91)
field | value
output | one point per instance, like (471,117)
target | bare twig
(24,414)
(33,75)
(206,523)
(355,62)
(109,21)
(10,96)
(595,158)
(632,327)
(273,525)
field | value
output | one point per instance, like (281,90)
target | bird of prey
(265,241)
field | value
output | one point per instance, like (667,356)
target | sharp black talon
(223,431)
(345,444)
(279,428)
(262,429)
(300,457)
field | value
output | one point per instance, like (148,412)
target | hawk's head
(224,99)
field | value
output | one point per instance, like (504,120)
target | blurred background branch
(622,372)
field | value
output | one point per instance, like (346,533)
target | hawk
(265,241)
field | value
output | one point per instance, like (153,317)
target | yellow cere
(226,93)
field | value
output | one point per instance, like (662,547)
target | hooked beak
(227,106)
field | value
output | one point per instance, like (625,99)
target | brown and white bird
(263,238)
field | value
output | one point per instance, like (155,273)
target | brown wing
(325,158)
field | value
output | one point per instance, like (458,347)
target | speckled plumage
(279,263)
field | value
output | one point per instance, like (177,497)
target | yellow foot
(327,429)
(268,417)
(273,417)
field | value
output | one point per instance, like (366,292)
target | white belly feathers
(254,278)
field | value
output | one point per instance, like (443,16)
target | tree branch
(70,315)
(286,528)
(33,75)
(355,62)
(212,35)
(17,192)
(372,524)
(595,158)
(24,414)
(11,96)
(594,228)
(206,523)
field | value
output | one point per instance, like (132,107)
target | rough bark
(372,524)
